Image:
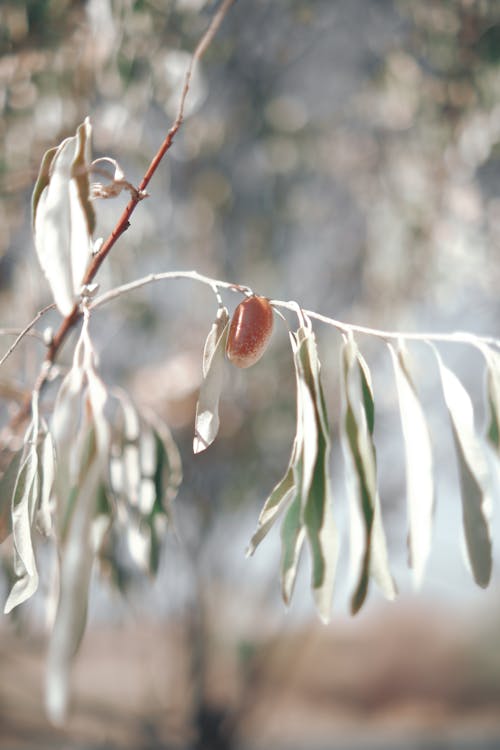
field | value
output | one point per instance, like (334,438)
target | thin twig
(124,221)
(455,337)
(24,332)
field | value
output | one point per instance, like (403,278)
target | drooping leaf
(419,465)
(492,358)
(474,472)
(303,494)
(65,427)
(23,507)
(292,539)
(7,484)
(80,503)
(368,544)
(207,408)
(76,567)
(316,484)
(47,468)
(63,217)
(279,499)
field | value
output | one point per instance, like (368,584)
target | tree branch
(216,284)
(124,220)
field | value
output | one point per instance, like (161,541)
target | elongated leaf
(286,490)
(419,465)
(277,501)
(47,468)
(368,545)
(316,485)
(65,427)
(7,485)
(76,567)
(292,539)
(63,217)
(492,358)
(207,408)
(475,480)
(23,507)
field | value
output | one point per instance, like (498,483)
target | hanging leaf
(23,508)
(76,567)
(316,485)
(7,484)
(47,467)
(475,480)
(292,538)
(303,494)
(81,484)
(492,358)
(65,427)
(419,465)
(368,543)
(207,408)
(63,217)
(145,478)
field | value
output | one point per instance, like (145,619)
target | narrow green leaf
(368,545)
(207,408)
(316,484)
(23,506)
(292,538)
(475,480)
(47,467)
(492,358)
(277,501)
(7,485)
(284,492)
(419,465)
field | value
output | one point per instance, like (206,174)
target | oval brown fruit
(250,331)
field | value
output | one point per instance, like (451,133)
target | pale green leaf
(316,496)
(76,567)
(47,468)
(23,508)
(286,489)
(419,465)
(63,217)
(474,471)
(368,544)
(492,358)
(7,485)
(292,538)
(207,408)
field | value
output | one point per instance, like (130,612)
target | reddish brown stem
(124,221)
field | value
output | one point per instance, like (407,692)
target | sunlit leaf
(279,498)
(65,427)
(419,465)
(368,545)
(47,467)
(76,567)
(316,485)
(207,408)
(23,508)
(7,484)
(492,358)
(475,480)
(292,538)
(63,217)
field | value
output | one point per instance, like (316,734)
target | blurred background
(342,153)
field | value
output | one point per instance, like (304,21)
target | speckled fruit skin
(250,330)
